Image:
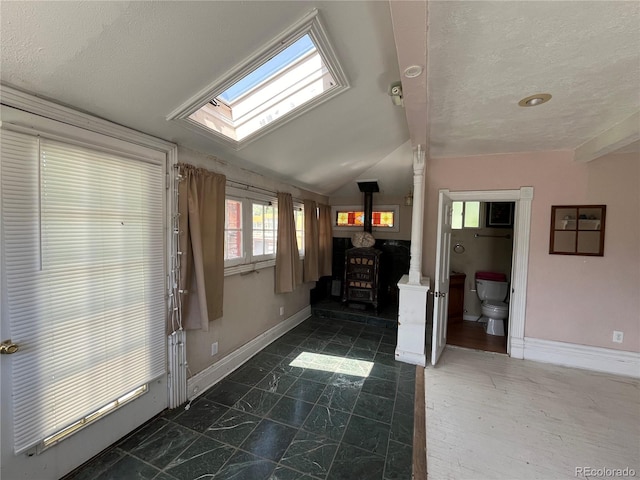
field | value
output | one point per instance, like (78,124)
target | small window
(298,215)
(233,241)
(265,228)
(384,218)
(465,215)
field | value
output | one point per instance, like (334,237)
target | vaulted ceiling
(135,62)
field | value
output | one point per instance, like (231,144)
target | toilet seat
(496,305)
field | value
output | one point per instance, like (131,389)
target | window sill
(249,267)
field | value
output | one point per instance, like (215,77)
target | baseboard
(410,357)
(516,347)
(598,359)
(470,318)
(205,379)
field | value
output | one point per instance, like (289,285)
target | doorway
(482,246)
(522,199)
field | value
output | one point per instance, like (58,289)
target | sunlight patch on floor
(330,363)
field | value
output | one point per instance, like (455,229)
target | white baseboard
(411,357)
(598,359)
(205,379)
(516,349)
(470,318)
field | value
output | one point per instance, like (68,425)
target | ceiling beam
(612,139)
(409,20)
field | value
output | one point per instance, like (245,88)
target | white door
(441,284)
(59,459)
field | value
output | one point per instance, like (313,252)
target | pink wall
(575,299)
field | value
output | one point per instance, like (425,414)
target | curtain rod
(248,186)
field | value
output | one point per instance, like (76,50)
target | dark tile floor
(325,401)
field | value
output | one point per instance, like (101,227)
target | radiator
(177,355)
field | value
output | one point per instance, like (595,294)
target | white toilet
(492,289)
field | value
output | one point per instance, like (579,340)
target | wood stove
(362,264)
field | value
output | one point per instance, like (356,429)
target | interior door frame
(523,198)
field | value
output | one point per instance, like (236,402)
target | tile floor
(284,416)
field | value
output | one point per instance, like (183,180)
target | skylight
(296,72)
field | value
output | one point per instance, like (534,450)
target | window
(265,230)
(233,246)
(83,260)
(298,215)
(296,72)
(465,215)
(383,218)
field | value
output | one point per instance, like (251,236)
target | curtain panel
(288,267)
(201,204)
(325,241)
(310,262)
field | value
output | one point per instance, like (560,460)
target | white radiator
(177,355)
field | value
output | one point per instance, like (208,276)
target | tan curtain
(288,268)
(325,240)
(310,262)
(201,203)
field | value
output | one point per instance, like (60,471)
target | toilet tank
(490,290)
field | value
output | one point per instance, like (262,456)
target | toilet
(492,289)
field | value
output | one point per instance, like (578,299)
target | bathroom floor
(325,401)
(472,335)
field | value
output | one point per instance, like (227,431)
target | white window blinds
(83,266)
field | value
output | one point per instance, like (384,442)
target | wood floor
(472,335)
(493,417)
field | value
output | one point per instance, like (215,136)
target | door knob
(7,348)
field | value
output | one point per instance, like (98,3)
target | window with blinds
(83,267)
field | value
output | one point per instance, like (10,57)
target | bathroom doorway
(514,326)
(481,241)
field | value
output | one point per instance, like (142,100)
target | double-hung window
(233,238)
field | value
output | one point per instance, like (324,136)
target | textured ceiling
(135,62)
(486,56)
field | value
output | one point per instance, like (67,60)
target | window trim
(309,24)
(341,208)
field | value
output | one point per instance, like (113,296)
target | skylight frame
(310,25)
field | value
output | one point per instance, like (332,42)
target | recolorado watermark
(604,472)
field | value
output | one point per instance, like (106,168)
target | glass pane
(588,242)
(258,242)
(269,242)
(386,219)
(258,216)
(234,214)
(456,216)
(472,214)
(233,244)
(300,240)
(269,217)
(565,219)
(564,241)
(343,219)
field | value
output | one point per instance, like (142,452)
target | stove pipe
(368,188)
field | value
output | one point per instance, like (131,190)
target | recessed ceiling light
(535,100)
(413,71)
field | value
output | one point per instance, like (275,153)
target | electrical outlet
(281,311)
(618,336)
(214,348)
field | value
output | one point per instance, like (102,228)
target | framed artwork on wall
(499,214)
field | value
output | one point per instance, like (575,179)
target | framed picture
(499,214)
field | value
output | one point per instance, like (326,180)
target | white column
(415,267)
(412,309)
